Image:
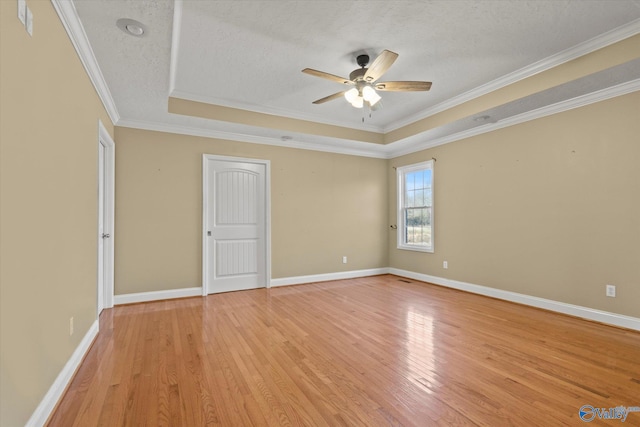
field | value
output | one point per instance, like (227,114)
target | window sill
(416,248)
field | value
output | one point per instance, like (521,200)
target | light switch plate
(611,291)
(22,11)
(29,24)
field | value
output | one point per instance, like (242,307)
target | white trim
(556,306)
(268,224)
(570,104)
(59,386)
(69,16)
(205,207)
(273,111)
(417,144)
(618,34)
(299,280)
(364,149)
(57,389)
(409,145)
(175,43)
(157,295)
(401,172)
(100,242)
(109,219)
(584,48)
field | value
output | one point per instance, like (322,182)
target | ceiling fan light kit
(364,90)
(352,96)
(370,95)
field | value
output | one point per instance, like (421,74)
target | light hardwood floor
(372,351)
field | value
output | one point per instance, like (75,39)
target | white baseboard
(49,401)
(156,295)
(559,307)
(299,280)
(57,389)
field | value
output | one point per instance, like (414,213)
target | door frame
(106,281)
(206,207)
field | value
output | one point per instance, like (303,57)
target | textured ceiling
(249,54)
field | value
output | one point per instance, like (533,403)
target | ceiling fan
(363,81)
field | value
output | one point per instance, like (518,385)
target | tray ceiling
(246,57)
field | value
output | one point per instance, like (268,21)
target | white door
(101,216)
(235,224)
(106,172)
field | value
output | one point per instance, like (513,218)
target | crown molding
(352,148)
(413,145)
(396,149)
(584,48)
(570,104)
(69,16)
(272,111)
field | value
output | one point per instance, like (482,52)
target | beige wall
(49,115)
(601,59)
(235,115)
(549,208)
(323,206)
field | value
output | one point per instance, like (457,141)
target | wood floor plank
(374,351)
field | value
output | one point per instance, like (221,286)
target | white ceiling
(249,55)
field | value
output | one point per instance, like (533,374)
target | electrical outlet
(71,326)
(445,264)
(611,291)
(344,259)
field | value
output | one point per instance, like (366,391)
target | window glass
(415,207)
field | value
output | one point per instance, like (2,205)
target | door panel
(235,226)
(234,257)
(236,197)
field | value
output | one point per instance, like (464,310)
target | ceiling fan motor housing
(362,60)
(357,74)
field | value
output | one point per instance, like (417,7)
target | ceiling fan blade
(380,65)
(329,98)
(403,86)
(327,76)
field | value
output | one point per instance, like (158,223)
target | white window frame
(400,178)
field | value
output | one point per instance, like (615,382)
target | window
(415,207)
